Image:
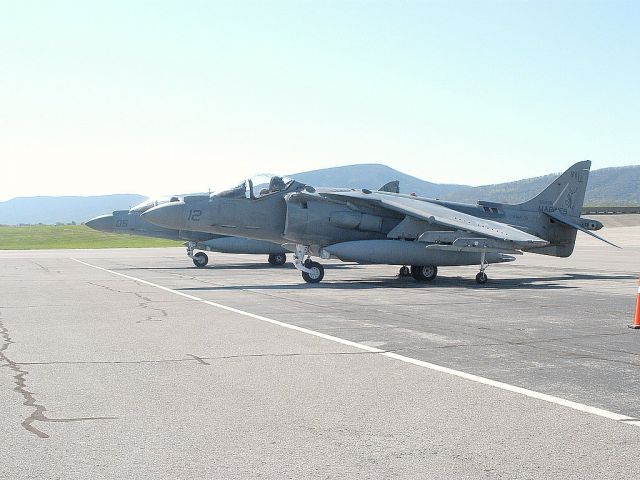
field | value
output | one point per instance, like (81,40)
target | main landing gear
(312,272)
(424,273)
(200,259)
(481,277)
(277,259)
(421,273)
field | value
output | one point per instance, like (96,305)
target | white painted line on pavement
(431,366)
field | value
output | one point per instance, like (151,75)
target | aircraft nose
(168,215)
(104,223)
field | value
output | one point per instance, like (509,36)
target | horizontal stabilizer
(569,223)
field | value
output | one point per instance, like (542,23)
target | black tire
(424,273)
(482,278)
(200,259)
(404,272)
(317,274)
(277,259)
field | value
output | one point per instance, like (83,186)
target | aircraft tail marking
(565,196)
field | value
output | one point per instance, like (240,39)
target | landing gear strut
(481,277)
(312,272)
(200,259)
(277,259)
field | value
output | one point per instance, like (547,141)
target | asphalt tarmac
(135,364)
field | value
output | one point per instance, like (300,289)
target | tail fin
(565,195)
(561,202)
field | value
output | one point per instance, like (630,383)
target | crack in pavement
(38,415)
(586,352)
(41,266)
(200,359)
(143,304)
(531,341)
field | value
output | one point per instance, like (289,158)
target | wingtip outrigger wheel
(481,277)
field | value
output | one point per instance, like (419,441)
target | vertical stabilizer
(565,196)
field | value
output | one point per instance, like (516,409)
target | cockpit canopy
(258,186)
(153,202)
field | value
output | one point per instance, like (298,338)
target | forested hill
(607,186)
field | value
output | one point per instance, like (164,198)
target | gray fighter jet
(389,228)
(131,222)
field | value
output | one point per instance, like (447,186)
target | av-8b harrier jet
(388,228)
(131,222)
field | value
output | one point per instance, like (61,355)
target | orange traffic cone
(636,322)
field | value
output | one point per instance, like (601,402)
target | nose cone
(104,223)
(168,215)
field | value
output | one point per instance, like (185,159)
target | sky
(158,97)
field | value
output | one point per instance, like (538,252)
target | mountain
(617,186)
(373,176)
(50,210)
(607,187)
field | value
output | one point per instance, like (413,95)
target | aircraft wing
(440,215)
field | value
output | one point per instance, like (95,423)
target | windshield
(153,202)
(257,186)
(148,204)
